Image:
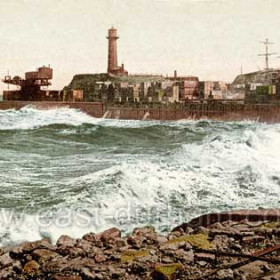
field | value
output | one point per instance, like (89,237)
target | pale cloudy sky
(210,39)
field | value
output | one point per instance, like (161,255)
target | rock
(183,256)
(17,266)
(175,235)
(225,274)
(133,241)
(220,242)
(254,269)
(189,230)
(115,258)
(56,265)
(202,263)
(171,246)
(242,227)
(167,260)
(201,229)
(3,251)
(90,237)
(231,232)
(87,274)
(217,226)
(137,268)
(119,243)
(253,239)
(188,256)
(76,252)
(31,267)
(187,246)
(7,274)
(66,241)
(44,254)
(63,264)
(5,260)
(115,273)
(78,263)
(110,234)
(148,258)
(28,247)
(99,258)
(73,277)
(99,276)
(272,276)
(205,257)
(84,244)
(161,239)
(144,231)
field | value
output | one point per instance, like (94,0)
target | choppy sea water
(64,172)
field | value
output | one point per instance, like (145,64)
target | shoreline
(229,245)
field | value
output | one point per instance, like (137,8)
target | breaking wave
(64,172)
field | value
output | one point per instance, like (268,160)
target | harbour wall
(193,111)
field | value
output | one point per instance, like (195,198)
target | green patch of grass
(271,225)
(168,271)
(131,255)
(199,240)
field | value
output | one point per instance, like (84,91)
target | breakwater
(193,111)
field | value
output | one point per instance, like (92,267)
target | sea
(64,172)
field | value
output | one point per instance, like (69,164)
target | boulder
(90,237)
(28,247)
(31,268)
(44,254)
(144,231)
(7,273)
(205,257)
(5,260)
(100,258)
(110,234)
(87,274)
(66,241)
(253,269)
(225,274)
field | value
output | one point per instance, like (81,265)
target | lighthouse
(113,67)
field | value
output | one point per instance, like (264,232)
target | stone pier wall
(195,111)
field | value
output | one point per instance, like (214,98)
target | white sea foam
(30,118)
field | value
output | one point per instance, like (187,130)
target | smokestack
(112,50)
(175,74)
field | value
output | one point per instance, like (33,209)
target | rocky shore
(231,245)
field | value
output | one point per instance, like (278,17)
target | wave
(70,173)
(31,118)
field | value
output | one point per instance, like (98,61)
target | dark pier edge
(269,113)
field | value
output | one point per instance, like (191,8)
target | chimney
(175,74)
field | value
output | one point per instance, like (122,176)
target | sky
(211,39)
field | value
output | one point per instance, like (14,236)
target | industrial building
(29,88)
(260,86)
